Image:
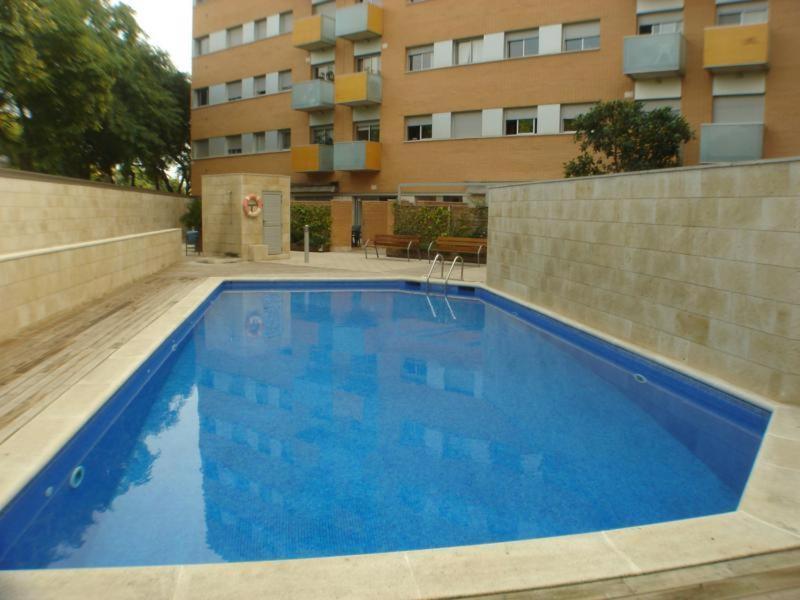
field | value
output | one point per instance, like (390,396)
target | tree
(621,136)
(83,94)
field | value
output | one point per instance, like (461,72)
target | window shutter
(467,124)
(739,109)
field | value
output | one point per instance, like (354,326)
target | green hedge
(430,222)
(318,218)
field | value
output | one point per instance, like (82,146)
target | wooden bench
(457,245)
(401,242)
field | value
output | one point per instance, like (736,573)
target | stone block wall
(38,211)
(700,265)
(226,230)
(38,284)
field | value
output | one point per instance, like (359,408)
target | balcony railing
(357,156)
(359,89)
(731,142)
(314,33)
(736,47)
(313,158)
(660,55)
(359,21)
(313,95)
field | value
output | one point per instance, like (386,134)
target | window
(234,89)
(260,85)
(201,97)
(419,128)
(368,131)
(322,134)
(466,124)
(371,63)
(568,114)
(666,22)
(261,29)
(581,36)
(522,43)
(468,51)
(520,121)
(674,104)
(284,139)
(260,141)
(744,13)
(739,109)
(233,144)
(325,8)
(420,58)
(284,80)
(285,22)
(200,148)
(323,71)
(201,45)
(234,36)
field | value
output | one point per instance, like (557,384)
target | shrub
(318,218)
(430,222)
(620,136)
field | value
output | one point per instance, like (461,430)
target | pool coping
(768,518)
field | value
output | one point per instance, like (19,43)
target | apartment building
(438,98)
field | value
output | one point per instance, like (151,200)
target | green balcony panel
(311,96)
(359,21)
(731,142)
(660,55)
(357,156)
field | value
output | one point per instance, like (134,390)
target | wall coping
(47,178)
(79,245)
(748,163)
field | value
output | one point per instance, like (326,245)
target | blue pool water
(303,421)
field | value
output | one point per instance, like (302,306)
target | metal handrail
(438,257)
(450,272)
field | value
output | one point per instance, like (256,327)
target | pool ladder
(439,258)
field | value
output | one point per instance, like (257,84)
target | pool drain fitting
(640,378)
(76,478)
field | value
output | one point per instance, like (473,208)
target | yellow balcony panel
(359,21)
(312,158)
(314,33)
(359,89)
(736,47)
(357,156)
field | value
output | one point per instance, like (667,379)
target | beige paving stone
(89,584)
(697,541)
(516,565)
(773,495)
(781,452)
(367,576)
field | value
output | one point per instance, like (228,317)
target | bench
(458,245)
(402,242)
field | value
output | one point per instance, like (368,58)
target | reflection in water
(296,424)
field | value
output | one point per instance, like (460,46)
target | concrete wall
(701,265)
(38,211)
(38,284)
(226,230)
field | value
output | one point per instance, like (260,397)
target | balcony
(313,158)
(312,96)
(359,89)
(357,156)
(661,55)
(314,33)
(731,142)
(736,47)
(359,22)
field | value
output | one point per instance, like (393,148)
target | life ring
(252,205)
(254,326)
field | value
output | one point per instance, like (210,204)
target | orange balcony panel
(736,47)
(314,33)
(312,158)
(359,89)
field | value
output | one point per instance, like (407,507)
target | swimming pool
(302,420)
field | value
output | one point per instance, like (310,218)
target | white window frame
(468,51)
(426,52)
(422,123)
(232,149)
(509,117)
(586,41)
(371,127)
(526,37)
